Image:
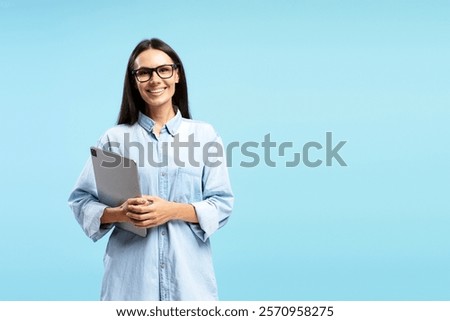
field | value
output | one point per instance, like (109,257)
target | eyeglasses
(164,71)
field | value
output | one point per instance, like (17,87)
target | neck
(160,115)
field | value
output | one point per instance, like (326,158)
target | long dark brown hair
(132,101)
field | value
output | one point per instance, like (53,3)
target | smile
(156,91)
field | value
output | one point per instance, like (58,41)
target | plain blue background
(375,73)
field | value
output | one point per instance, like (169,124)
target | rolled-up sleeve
(85,205)
(215,208)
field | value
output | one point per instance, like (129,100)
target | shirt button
(162,265)
(163,232)
(163,174)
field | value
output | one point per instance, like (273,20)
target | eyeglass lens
(164,72)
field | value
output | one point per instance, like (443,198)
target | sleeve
(215,208)
(85,204)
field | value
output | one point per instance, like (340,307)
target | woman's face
(156,92)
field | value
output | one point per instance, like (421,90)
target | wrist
(184,212)
(113,215)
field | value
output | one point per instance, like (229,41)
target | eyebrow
(169,63)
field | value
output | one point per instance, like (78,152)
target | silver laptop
(117,180)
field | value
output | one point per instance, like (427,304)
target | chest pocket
(188,185)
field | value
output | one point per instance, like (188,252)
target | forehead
(151,58)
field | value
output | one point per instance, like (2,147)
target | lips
(156,91)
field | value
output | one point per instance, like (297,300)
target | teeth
(156,91)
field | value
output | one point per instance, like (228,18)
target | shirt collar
(172,125)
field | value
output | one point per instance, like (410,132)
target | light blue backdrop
(375,73)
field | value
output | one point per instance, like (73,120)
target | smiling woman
(180,206)
(156,90)
(150,55)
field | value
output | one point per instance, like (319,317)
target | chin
(159,104)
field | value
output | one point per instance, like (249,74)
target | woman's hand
(157,211)
(119,214)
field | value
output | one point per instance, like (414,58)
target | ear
(177,76)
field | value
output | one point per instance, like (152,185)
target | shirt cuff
(93,227)
(208,221)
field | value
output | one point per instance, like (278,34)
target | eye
(165,70)
(142,73)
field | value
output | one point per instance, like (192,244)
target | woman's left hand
(157,212)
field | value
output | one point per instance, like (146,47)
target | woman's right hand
(119,213)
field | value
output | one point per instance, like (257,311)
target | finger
(140,217)
(150,198)
(139,209)
(136,201)
(147,223)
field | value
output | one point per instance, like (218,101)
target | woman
(186,190)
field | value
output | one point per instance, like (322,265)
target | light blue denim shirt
(173,262)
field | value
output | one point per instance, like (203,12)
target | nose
(152,77)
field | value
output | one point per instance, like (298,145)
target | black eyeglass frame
(151,70)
